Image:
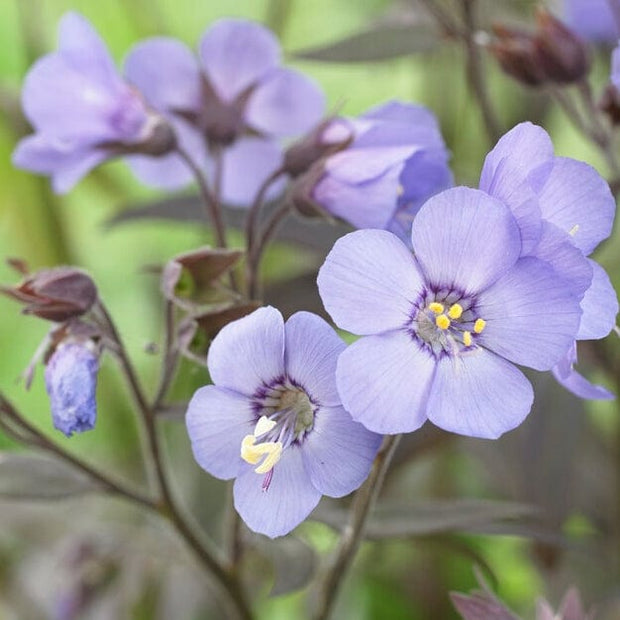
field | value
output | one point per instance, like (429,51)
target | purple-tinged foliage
(444,327)
(82,112)
(564,209)
(71,383)
(394,161)
(273,419)
(236,96)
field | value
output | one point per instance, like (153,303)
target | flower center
(447,323)
(287,414)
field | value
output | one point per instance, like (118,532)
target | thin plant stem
(332,577)
(210,202)
(233,531)
(170,358)
(256,254)
(36,437)
(204,549)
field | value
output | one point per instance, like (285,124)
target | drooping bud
(57,294)
(515,50)
(562,54)
(331,136)
(71,383)
(196,278)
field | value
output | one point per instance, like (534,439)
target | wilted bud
(57,294)
(196,332)
(331,136)
(71,383)
(195,278)
(562,54)
(552,54)
(516,53)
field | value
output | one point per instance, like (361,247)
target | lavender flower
(238,97)
(444,327)
(594,20)
(83,113)
(564,209)
(71,383)
(274,421)
(395,161)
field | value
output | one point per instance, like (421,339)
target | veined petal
(246,164)
(166,72)
(573,196)
(384,382)
(311,352)
(479,394)
(339,452)
(217,420)
(367,204)
(369,282)
(290,498)
(237,54)
(599,306)
(532,315)
(465,239)
(285,103)
(566,375)
(248,353)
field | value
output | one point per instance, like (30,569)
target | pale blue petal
(384,382)
(369,282)
(599,306)
(290,498)
(479,394)
(569,378)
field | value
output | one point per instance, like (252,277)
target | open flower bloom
(396,160)
(594,20)
(445,326)
(564,209)
(82,111)
(237,97)
(71,383)
(274,420)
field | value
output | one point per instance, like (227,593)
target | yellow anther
(467,339)
(263,425)
(442,321)
(251,453)
(573,231)
(436,307)
(455,311)
(479,325)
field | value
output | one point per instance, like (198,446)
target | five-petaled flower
(238,98)
(82,111)
(274,421)
(445,326)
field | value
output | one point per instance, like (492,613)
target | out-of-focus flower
(610,102)
(564,209)
(594,20)
(444,327)
(571,608)
(83,113)
(274,420)
(551,54)
(238,97)
(57,294)
(390,160)
(71,383)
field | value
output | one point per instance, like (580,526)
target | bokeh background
(557,476)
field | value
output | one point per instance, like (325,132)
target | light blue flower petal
(599,305)
(479,394)
(566,375)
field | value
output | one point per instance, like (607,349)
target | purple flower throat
(285,415)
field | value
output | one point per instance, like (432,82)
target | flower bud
(57,294)
(71,383)
(515,51)
(194,278)
(610,104)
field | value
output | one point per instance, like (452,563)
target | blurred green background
(565,459)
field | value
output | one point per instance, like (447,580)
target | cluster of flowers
(450,288)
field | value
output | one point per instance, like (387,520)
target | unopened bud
(610,104)
(57,294)
(515,51)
